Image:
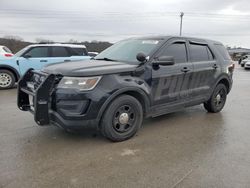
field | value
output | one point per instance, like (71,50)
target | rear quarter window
(79,51)
(223,51)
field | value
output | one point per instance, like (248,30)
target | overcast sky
(111,20)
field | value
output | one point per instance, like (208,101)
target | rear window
(79,51)
(6,49)
(222,50)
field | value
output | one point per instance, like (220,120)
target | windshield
(19,53)
(127,50)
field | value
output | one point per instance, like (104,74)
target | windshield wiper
(106,59)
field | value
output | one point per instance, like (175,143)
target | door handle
(185,69)
(66,60)
(43,61)
(215,66)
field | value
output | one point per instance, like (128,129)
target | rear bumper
(247,66)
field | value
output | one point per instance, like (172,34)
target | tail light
(8,55)
(231,67)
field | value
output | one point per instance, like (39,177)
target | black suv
(133,79)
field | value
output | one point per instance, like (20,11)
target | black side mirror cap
(141,57)
(164,61)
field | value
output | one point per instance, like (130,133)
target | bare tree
(42,40)
(12,37)
(73,41)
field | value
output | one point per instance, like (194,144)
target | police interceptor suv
(131,80)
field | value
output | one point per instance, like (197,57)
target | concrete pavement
(190,148)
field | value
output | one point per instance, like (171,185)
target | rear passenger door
(205,69)
(170,84)
(59,54)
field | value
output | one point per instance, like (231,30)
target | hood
(88,68)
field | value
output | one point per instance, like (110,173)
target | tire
(7,79)
(218,99)
(122,118)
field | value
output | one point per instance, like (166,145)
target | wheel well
(226,83)
(140,98)
(13,72)
(143,101)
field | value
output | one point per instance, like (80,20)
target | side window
(176,50)
(200,52)
(210,55)
(39,52)
(79,51)
(58,51)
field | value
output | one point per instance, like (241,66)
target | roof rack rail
(46,43)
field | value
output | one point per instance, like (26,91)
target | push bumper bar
(34,94)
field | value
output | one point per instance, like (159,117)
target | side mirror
(164,61)
(141,57)
(27,56)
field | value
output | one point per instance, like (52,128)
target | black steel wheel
(218,99)
(122,118)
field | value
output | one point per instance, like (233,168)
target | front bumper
(247,65)
(30,91)
(62,107)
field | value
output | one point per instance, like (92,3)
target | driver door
(170,84)
(35,57)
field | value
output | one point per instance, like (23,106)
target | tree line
(16,43)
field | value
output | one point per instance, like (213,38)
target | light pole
(181,15)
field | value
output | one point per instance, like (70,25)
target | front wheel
(218,99)
(7,79)
(122,118)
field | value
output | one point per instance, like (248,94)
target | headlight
(81,83)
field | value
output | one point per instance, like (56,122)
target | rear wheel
(122,119)
(7,79)
(218,99)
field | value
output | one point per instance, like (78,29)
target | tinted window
(177,50)
(59,52)
(200,52)
(210,55)
(222,50)
(39,52)
(79,51)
